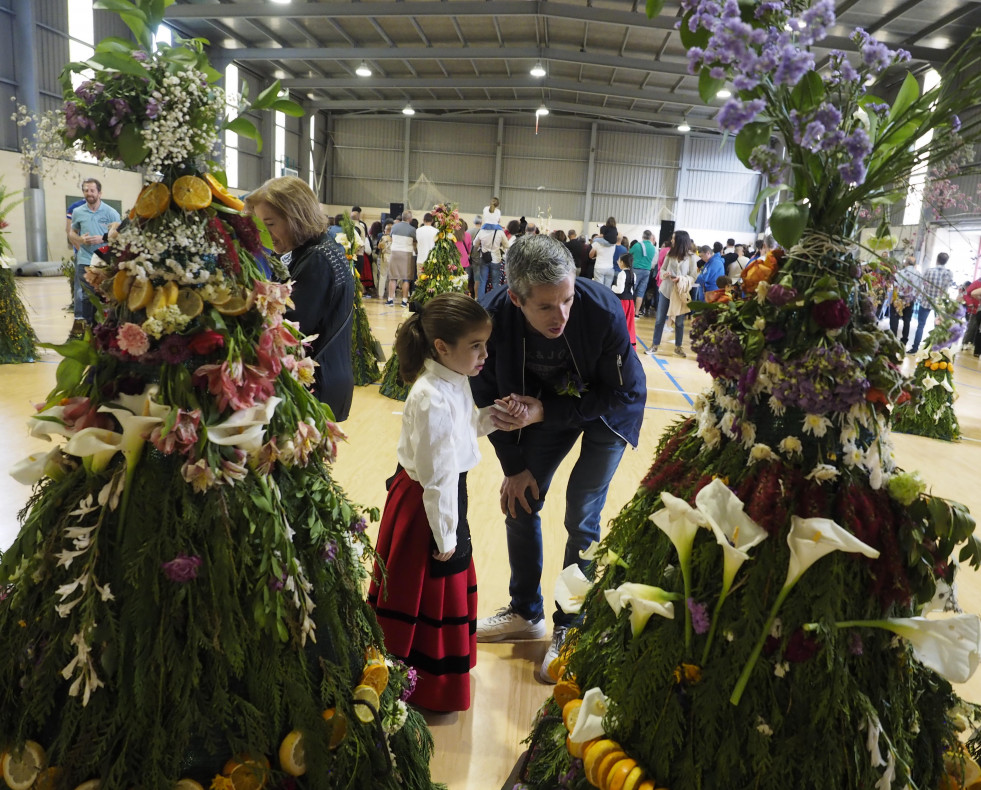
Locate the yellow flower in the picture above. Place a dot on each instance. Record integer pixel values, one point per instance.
(222, 783)
(688, 673)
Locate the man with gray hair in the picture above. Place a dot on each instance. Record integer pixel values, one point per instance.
(560, 346)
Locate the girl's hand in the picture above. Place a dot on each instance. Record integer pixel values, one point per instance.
(444, 556)
(512, 406)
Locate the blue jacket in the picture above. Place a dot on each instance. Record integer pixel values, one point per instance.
(616, 386)
(713, 269)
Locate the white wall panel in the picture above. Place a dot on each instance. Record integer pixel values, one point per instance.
(367, 162)
(718, 191)
(8, 78)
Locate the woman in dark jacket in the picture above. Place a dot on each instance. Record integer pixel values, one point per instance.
(323, 286)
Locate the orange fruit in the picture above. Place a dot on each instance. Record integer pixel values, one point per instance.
(292, 758)
(577, 749)
(21, 768)
(565, 690)
(619, 773)
(595, 752)
(237, 304)
(570, 713)
(223, 195)
(121, 284)
(140, 295)
(337, 722)
(153, 201)
(376, 676)
(189, 302)
(243, 759)
(604, 766)
(633, 779)
(191, 193)
(647, 784)
(47, 779)
(556, 668)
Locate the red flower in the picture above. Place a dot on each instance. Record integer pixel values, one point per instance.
(801, 647)
(205, 342)
(833, 314)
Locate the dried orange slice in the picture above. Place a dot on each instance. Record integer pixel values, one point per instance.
(191, 193)
(223, 195)
(604, 766)
(189, 302)
(565, 690)
(369, 696)
(140, 295)
(337, 722)
(617, 776)
(647, 784)
(292, 758)
(121, 284)
(633, 779)
(556, 667)
(376, 676)
(237, 304)
(595, 753)
(372, 655)
(153, 201)
(247, 772)
(21, 768)
(570, 713)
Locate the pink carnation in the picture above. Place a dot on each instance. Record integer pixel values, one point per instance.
(133, 340)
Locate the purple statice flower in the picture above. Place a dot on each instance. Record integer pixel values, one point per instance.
(411, 678)
(329, 552)
(820, 381)
(182, 568)
(575, 768)
(770, 7)
(855, 646)
(780, 295)
(857, 146)
(879, 108)
(828, 115)
(699, 616)
(736, 113)
(141, 56)
(717, 349)
(853, 173)
(876, 55)
(813, 136)
(842, 70)
(794, 63)
(763, 159)
(955, 123)
(359, 526)
(152, 109)
(277, 583)
(956, 330)
(816, 21)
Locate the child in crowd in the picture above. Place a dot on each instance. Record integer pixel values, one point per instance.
(623, 286)
(427, 604)
(492, 215)
(721, 294)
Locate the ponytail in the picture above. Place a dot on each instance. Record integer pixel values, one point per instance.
(495, 203)
(448, 317)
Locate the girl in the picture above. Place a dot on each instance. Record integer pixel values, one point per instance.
(427, 604)
(492, 215)
(677, 275)
(623, 286)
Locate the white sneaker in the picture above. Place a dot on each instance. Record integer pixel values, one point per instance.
(506, 624)
(558, 637)
(652, 351)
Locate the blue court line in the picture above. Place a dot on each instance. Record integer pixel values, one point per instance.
(663, 365)
(673, 411)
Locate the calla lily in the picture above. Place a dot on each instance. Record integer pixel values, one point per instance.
(810, 539)
(950, 646)
(735, 532)
(679, 521)
(34, 467)
(929, 382)
(48, 423)
(589, 724)
(608, 557)
(245, 428)
(643, 600)
(571, 588)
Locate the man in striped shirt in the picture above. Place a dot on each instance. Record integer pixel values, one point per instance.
(935, 283)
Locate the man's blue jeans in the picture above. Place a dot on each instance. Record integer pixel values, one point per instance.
(84, 309)
(663, 303)
(544, 449)
(922, 314)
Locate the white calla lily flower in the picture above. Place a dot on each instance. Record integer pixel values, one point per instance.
(589, 724)
(679, 521)
(48, 423)
(244, 429)
(609, 557)
(644, 601)
(810, 539)
(571, 588)
(33, 468)
(929, 382)
(735, 532)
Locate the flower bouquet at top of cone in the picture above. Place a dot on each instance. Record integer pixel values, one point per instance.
(18, 343)
(441, 273)
(762, 614)
(931, 412)
(184, 600)
(364, 358)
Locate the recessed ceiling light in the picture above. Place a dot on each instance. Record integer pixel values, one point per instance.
(538, 70)
(407, 110)
(725, 93)
(684, 127)
(543, 110)
(363, 70)
(282, 2)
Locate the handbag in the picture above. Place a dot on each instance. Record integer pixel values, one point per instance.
(488, 257)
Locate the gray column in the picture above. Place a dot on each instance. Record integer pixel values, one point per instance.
(268, 156)
(590, 178)
(303, 154)
(406, 147)
(499, 156)
(327, 171)
(682, 180)
(25, 61)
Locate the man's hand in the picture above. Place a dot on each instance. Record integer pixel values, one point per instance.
(514, 489)
(512, 418)
(444, 556)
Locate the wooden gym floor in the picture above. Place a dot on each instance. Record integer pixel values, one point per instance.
(476, 750)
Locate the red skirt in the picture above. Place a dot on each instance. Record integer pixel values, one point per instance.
(628, 311)
(429, 621)
(367, 278)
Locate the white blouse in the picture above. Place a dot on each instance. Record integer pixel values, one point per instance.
(440, 426)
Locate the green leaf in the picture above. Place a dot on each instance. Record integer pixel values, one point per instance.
(764, 194)
(750, 136)
(114, 44)
(69, 375)
(689, 39)
(134, 18)
(120, 7)
(654, 8)
(787, 222)
(132, 148)
(754, 344)
(265, 99)
(908, 93)
(808, 93)
(213, 75)
(242, 126)
(971, 552)
(288, 107)
(125, 64)
(708, 85)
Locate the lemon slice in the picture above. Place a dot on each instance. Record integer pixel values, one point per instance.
(158, 301)
(368, 695)
(594, 753)
(556, 668)
(618, 774)
(565, 691)
(237, 304)
(633, 778)
(189, 302)
(223, 195)
(21, 768)
(170, 290)
(292, 758)
(604, 766)
(337, 722)
(153, 201)
(140, 295)
(570, 713)
(95, 784)
(191, 193)
(376, 676)
(121, 284)
(184, 784)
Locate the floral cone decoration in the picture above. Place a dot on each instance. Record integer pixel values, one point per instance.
(363, 359)
(184, 597)
(18, 342)
(802, 559)
(441, 273)
(931, 413)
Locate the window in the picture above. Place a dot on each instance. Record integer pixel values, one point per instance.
(164, 35)
(917, 179)
(313, 136)
(81, 35)
(232, 92)
(279, 145)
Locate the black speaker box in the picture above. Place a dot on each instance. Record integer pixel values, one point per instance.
(667, 229)
(396, 209)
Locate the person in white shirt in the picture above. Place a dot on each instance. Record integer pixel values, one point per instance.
(602, 251)
(425, 241)
(492, 215)
(401, 268)
(427, 603)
